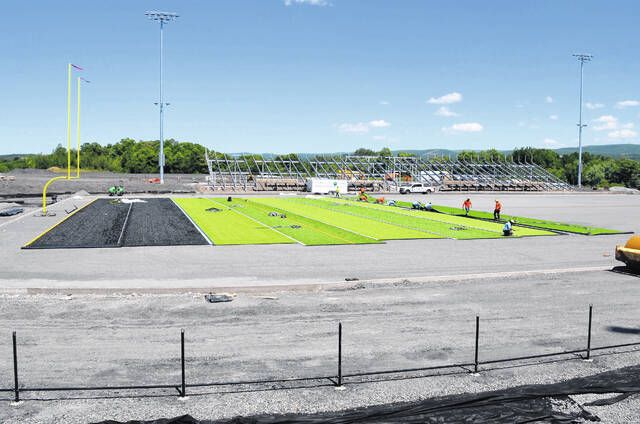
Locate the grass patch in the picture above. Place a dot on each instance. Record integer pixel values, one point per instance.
(455, 220)
(302, 228)
(430, 228)
(426, 221)
(227, 227)
(532, 222)
(351, 222)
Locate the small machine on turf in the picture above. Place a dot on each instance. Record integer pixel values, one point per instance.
(116, 190)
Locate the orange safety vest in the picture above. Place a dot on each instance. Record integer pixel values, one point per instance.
(498, 206)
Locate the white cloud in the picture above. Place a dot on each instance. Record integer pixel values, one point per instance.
(379, 137)
(627, 103)
(550, 142)
(357, 128)
(548, 99)
(553, 117)
(379, 123)
(623, 133)
(446, 112)
(447, 99)
(384, 102)
(362, 127)
(308, 2)
(605, 122)
(466, 127)
(593, 106)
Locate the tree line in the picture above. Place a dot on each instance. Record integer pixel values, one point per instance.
(133, 156)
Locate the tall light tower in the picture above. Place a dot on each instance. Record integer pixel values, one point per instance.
(163, 18)
(582, 58)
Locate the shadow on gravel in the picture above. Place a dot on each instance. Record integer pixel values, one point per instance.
(539, 403)
(625, 271)
(623, 330)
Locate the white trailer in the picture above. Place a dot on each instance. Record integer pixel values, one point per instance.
(326, 186)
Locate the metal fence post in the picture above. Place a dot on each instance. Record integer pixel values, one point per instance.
(475, 368)
(589, 332)
(339, 354)
(183, 392)
(16, 390)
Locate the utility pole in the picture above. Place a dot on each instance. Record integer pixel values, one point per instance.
(163, 18)
(582, 58)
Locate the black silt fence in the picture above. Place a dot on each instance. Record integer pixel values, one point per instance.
(335, 380)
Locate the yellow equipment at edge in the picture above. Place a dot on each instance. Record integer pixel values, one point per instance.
(630, 253)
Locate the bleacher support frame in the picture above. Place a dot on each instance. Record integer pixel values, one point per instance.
(258, 173)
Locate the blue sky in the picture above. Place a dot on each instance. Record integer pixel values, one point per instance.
(315, 75)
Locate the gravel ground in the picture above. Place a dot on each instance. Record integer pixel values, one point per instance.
(29, 182)
(91, 339)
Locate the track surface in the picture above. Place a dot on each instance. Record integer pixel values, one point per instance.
(110, 223)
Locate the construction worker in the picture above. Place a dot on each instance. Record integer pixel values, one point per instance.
(428, 207)
(337, 191)
(466, 205)
(496, 210)
(507, 230)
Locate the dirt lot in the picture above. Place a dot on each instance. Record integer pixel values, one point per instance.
(134, 339)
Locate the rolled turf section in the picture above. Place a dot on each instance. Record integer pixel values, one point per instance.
(436, 228)
(304, 229)
(225, 226)
(111, 223)
(363, 225)
(455, 221)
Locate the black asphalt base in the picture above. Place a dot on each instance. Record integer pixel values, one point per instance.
(111, 223)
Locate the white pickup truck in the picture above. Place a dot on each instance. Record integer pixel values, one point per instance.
(417, 188)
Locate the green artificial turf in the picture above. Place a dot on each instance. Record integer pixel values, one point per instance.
(227, 226)
(304, 229)
(533, 222)
(459, 220)
(436, 228)
(357, 223)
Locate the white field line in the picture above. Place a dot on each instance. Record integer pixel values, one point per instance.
(192, 223)
(326, 223)
(255, 220)
(124, 225)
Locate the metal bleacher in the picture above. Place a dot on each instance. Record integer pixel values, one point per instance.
(258, 173)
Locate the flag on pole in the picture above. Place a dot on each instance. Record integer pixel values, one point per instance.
(77, 67)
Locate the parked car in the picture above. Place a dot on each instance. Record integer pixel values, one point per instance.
(417, 188)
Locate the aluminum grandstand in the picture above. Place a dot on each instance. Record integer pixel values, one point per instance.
(258, 173)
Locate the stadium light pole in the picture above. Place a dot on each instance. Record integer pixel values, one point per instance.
(581, 58)
(163, 18)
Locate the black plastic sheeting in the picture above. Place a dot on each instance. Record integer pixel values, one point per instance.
(532, 403)
(111, 223)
